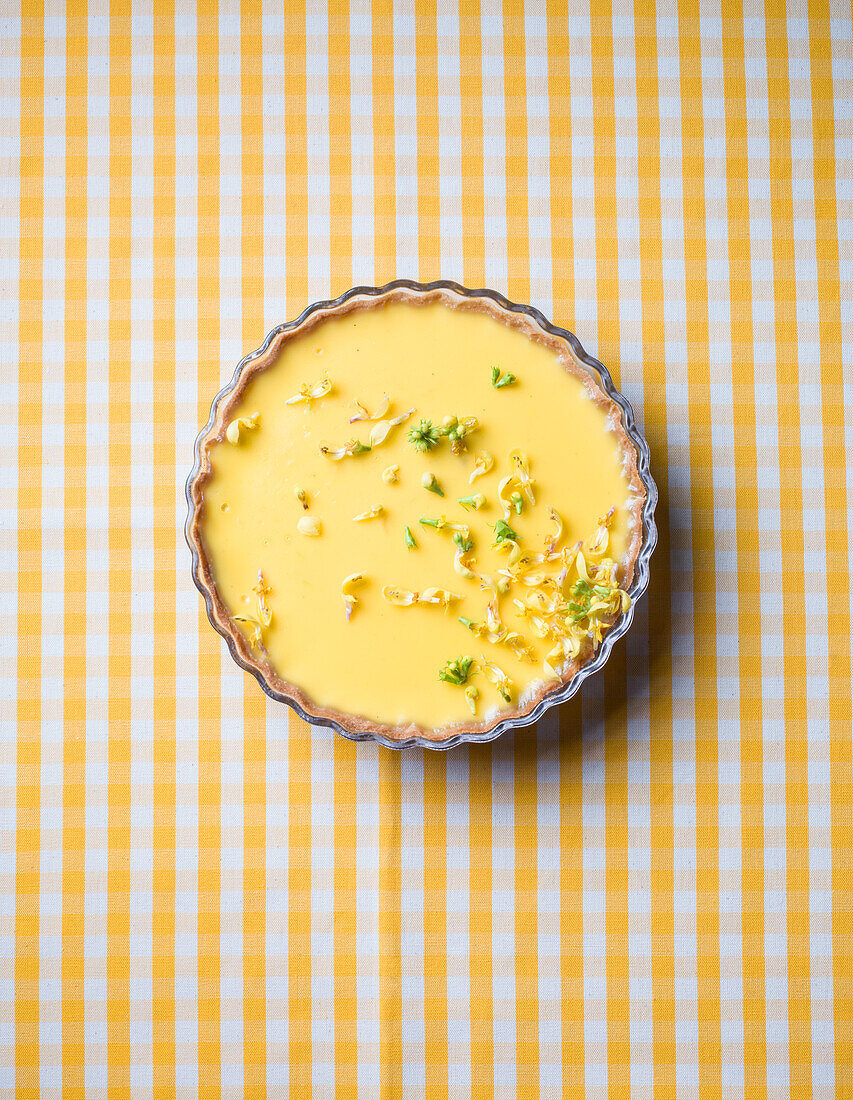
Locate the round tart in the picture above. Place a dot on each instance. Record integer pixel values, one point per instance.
(416, 515)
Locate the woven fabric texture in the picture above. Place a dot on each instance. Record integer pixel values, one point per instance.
(650, 894)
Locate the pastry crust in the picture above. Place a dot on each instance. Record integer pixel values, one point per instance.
(257, 662)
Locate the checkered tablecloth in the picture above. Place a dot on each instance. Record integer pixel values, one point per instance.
(650, 894)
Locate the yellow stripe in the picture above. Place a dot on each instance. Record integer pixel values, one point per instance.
(299, 907)
(572, 1001)
(704, 578)
(615, 686)
(389, 786)
(29, 713)
(384, 182)
(74, 625)
(526, 791)
(572, 1004)
(254, 706)
(748, 565)
(428, 174)
(299, 751)
(345, 753)
(471, 125)
(121, 577)
(209, 924)
(479, 758)
(165, 581)
(560, 119)
(435, 924)
(836, 526)
(435, 764)
(481, 922)
(389, 799)
(793, 596)
(659, 608)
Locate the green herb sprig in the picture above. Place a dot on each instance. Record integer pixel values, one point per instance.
(499, 381)
(504, 532)
(425, 436)
(456, 671)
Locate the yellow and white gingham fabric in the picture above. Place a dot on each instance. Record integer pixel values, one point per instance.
(651, 893)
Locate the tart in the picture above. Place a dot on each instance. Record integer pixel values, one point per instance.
(415, 514)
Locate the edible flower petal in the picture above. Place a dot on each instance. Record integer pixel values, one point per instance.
(263, 590)
(354, 580)
(462, 562)
(438, 596)
(350, 448)
(370, 513)
(379, 431)
(400, 597)
(391, 474)
(311, 392)
(555, 540)
(363, 414)
(522, 475)
(597, 545)
(499, 678)
(242, 423)
(309, 525)
(255, 635)
(483, 462)
(505, 494)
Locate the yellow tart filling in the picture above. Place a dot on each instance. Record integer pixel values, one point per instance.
(417, 515)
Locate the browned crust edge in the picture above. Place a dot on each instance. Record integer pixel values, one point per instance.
(291, 693)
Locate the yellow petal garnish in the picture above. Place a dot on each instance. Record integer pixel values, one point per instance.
(471, 697)
(350, 448)
(242, 423)
(498, 677)
(379, 431)
(312, 392)
(255, 635)
(599, 542)
(263, 590)
(522, 475)
(554, 661)
(303, 498)
(555, 540)
(371, 513)
(462, 562)
(401, 597)
(363, 414)
(354, 580)
(505, 489)
(483, 462)
(520, 646)
(493, 620)
(391, 474)
(309, 525)
(439, 596)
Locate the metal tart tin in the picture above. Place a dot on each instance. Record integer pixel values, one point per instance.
(561, 691)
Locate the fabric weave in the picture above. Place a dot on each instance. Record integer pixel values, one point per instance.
(648, 894)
